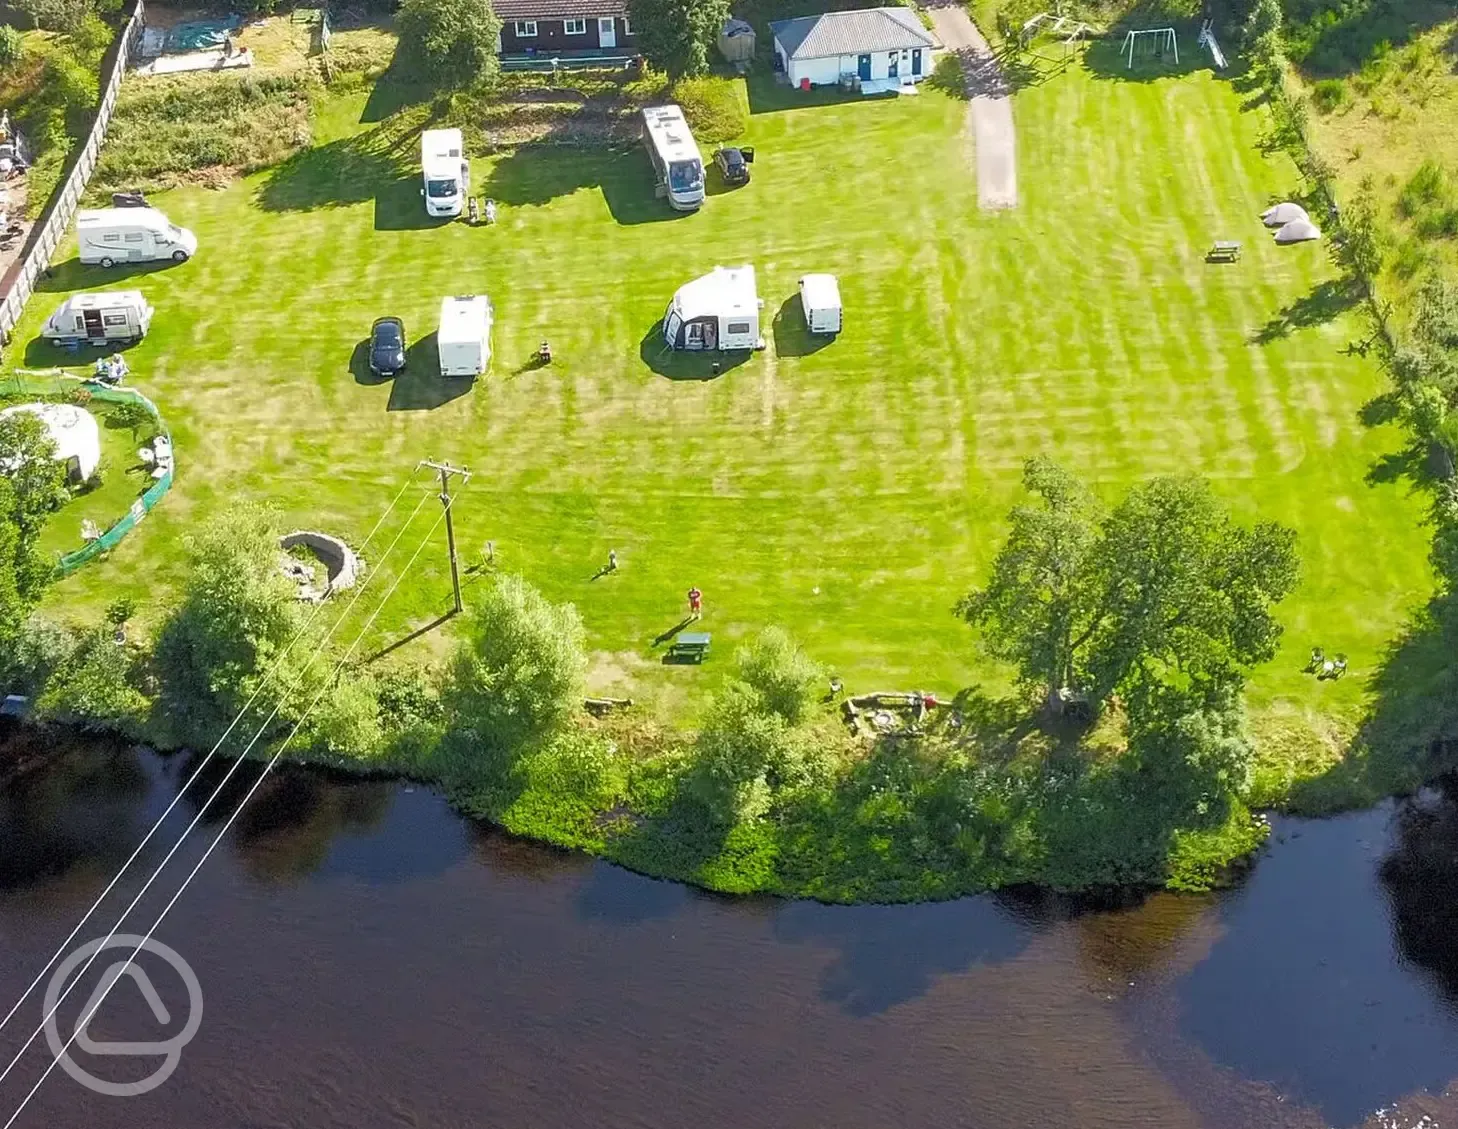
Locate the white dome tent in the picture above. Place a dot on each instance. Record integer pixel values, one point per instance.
(74, 431)
(1298, 231)
(1280, 215)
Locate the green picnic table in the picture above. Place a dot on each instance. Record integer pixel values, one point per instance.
(691, 646)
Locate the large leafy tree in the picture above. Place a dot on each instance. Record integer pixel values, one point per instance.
(1165, 589)
(677, 36)
(449, 42)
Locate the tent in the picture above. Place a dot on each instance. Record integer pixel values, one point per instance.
(720, 310)
(736, 41)
(73, 430)
(1298, 231)
(1282, 214)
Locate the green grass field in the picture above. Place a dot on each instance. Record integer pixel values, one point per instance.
(876, 469)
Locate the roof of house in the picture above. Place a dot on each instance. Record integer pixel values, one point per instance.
(852, 33)
(559, 9)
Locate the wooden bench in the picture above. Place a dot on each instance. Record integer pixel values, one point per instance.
(691, 646)
(1224, 251)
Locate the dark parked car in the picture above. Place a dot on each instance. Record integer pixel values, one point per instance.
(733, 166)
(387, 346)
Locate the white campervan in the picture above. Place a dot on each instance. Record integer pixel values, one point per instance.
(99, 319)
(464, 338)
(820, 299)
(446, 172)
(108, 236)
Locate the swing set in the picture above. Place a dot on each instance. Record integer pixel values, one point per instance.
(1150, 42)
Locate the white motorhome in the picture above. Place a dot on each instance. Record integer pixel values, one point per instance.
(99, 319)
(464, 338)
(446, 172)
(718, 311)
(676, 159)
(820, 299)
(108, 236)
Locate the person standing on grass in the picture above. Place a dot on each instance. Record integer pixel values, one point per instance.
(612, 560)
(696, 602)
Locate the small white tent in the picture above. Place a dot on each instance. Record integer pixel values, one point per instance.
(1298, 231)
(1280, 215)
(717, 311)
(73, 430)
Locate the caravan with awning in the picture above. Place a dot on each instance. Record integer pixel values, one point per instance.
(718, 311)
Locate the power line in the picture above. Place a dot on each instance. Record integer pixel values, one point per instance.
(117, 973)
(202, 809)
(263, 683)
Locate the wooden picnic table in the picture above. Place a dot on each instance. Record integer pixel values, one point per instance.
(691, 645)
(1224, 251)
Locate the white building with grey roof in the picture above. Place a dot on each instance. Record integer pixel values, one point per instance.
(882, 47)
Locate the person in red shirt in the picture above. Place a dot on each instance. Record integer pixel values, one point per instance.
(696, 602)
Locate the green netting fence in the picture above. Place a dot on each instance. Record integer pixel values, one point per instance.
(57, 384)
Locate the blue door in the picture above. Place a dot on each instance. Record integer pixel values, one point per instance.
(916, 60)
(863, 65)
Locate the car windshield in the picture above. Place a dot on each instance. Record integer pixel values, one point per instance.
(174, 231)
(387, 333)
(440, 188)
(733, 158)
(685, 175)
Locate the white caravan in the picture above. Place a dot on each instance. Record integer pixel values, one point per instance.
(464, 338)
(108, 236)
(676, 159)
(820, 299)
(718, 311)
(99, 319)
(446, 171)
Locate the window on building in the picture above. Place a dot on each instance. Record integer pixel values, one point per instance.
(627, 26)
(526, 29)
(574, 27)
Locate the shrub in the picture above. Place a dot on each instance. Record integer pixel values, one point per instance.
(92, 687)
(712, 106)
(783, 675)
(11, 47)
(1330, 94)
(1426, 187)
(39, 648)
(237, 615)
(1441, 223)
(518, 675)
(346, 720)
(748, 757)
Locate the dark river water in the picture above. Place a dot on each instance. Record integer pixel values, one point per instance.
(367, 958)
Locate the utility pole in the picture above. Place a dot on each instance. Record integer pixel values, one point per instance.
(446, 472)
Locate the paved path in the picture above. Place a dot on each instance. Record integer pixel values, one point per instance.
(989, 116)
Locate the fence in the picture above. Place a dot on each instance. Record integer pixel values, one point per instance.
(59, 384)
(20, 279)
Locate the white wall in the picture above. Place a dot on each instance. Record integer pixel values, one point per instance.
(826, 72)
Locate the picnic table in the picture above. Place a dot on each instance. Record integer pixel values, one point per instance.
(1224, 251)
(691, 646)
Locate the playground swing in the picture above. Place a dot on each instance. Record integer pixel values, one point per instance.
(1150, 41)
